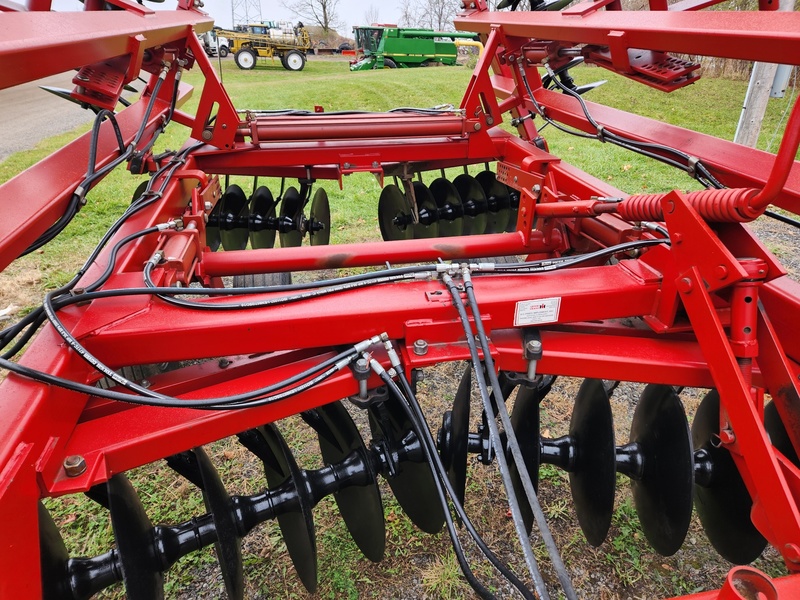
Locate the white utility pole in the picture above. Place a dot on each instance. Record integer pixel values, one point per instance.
(755, 101)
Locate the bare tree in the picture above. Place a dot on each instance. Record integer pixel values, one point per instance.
(371, 15)
(320, 13)
(438, 14)
(410, 14)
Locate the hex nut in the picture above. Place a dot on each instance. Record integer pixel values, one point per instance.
(74, 465)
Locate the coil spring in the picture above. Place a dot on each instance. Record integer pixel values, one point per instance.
(718, 206)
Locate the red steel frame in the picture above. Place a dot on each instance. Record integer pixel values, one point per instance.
(686, 295)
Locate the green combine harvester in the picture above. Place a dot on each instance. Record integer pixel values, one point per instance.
(390, 47)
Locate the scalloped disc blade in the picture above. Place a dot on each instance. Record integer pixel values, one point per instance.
(53, 556)
(292, 208)
(498, 202)
(360, 506)
(724, 505)
(262, 211)
(133, 535)
(228, 545)
(296, 526)
(593, 477)
(393, 214)
(445, 194)
(428, 225)
(473, 203)
(663, 496)
(413, 485)
(455, 440)
(525, 423)
(320, 215)
(233, 217)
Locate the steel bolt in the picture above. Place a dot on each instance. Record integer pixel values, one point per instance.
(533, 346)
(721, 271)
(420, 347)
(685, 285)
(74, 465)
(792, 553)
(223, 363)
(206, 135)
(477, 127)
(208, 206)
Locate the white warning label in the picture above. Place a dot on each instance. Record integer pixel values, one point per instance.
(536, 312)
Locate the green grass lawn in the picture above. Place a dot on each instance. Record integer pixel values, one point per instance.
(711, 106)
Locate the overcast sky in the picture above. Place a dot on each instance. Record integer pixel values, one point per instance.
(352, 12)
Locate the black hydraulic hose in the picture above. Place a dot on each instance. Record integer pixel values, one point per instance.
(782, 218)
(93, 175)
(451, 530)
(513, 502)
(636, 146)
(527, 484)
(8, 334)
(32, 327)
(319, 290)
(247, 400)
(441, 472)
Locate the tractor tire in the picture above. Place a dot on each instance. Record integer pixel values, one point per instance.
(245, 59)
(388, 63)
(223, 51)
(282, 58)
(294, 60)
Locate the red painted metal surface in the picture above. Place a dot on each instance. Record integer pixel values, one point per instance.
(693, 313)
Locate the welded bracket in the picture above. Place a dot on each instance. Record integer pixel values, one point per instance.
(695, 245)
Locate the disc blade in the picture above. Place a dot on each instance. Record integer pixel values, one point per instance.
(360, 506)
(413, 485)
(53, 556)
(133, 535)
(593, 477)
(498, 202)
(525, 423)
(233, 218)
(454, 454)
(394, 215)
(320, 216)
(445, 194)
(296, 526)
(228, 544)
(262, 211)
(513, 209)
(473, 203)
(291, 208)
(140, 189)
(777, 433)
(724, 505)
(663, 496)
(213, 239)
(428, 224)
